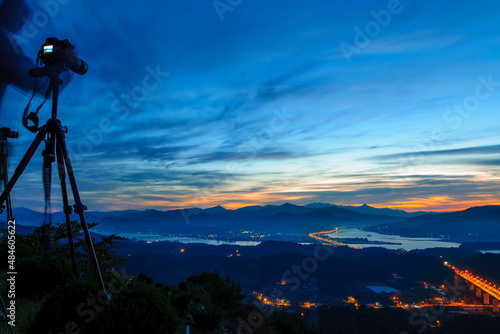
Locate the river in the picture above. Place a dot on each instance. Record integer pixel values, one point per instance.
(186, 240)
(405, 243)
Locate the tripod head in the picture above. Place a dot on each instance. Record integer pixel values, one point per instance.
(51, 71)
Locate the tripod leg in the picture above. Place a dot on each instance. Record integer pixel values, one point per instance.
(67, 207)
(79, 208)
(4, 156)
(24, 163)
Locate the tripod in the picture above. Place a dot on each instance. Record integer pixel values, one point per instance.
(54, 134)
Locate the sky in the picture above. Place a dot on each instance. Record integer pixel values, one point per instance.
(237, 102)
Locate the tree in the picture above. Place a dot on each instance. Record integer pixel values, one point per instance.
(282, 322)
(52, 239)
(225, 293)
(105, 251)
(214, 299)
(136, 307)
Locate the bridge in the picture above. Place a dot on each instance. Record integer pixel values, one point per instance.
(324, 237)
(489, 291)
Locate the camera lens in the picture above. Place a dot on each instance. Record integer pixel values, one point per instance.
(79, 66)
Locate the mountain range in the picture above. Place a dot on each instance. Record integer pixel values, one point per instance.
(269, 219)
(473, 224)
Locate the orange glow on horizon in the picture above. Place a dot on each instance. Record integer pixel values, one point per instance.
(227, 200)
(233, 201)
(438, 204)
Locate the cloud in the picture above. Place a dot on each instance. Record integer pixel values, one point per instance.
(230, 81)
(475, 150)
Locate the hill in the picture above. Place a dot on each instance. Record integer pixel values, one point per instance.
(473, 224)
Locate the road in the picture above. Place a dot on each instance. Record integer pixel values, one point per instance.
(478, 281)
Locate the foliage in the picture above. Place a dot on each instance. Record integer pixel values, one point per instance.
(105, 250)
(52, 239)
(68, 306)
(26, 308)
(144, 308)
(283, 323)
(213, 299)
(206, 318)
(181, 301)
(142, 277)
(136, 307)
(40, 274)
(224, 293)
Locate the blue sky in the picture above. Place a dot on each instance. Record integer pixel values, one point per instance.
(389, 103)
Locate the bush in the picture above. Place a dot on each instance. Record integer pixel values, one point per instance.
(135, 308)
(181, 301)
(143, 308)
(41, 274)
(67, 307)
(225, 293)
(207, 319)
(283, 323)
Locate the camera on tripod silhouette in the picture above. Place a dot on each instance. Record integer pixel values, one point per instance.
(59, 53)
(8, 133)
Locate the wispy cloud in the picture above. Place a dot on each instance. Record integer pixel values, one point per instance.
(215, 131)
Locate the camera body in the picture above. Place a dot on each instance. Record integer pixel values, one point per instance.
(60, 52)
(8, 133)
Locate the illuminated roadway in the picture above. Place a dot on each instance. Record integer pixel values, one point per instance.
(319, 236)
(481, 283)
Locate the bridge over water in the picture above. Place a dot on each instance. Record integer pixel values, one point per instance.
(489, 291)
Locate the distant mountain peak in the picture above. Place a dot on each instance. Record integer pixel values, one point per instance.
(319, 205)
(215, 209)
(152, 210)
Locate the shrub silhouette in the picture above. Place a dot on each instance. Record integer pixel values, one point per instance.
(144, 308)
(206, 319)
(40, 274)
(136, 308)
(60, 310)
(225, 293)
(283, 323)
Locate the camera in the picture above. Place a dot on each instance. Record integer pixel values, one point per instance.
(8, 133)
(60, 52)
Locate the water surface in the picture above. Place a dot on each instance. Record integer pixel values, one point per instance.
(405, 243)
